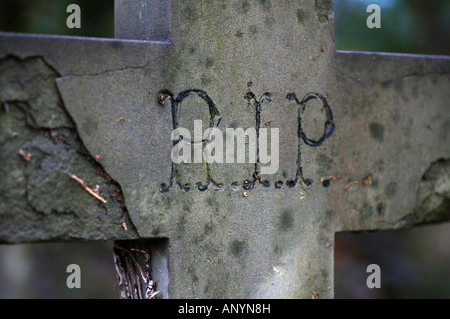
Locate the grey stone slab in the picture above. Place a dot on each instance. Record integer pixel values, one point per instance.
(390, 112)
(147, 20)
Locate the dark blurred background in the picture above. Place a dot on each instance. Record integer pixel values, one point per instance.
(38, 271)
(414, 263)
(49, 17)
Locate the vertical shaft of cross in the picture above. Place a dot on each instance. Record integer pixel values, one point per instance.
(147, 20)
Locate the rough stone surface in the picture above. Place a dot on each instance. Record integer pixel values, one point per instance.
(390, 111)
(38, 200)
(433, 195)
(142, 20)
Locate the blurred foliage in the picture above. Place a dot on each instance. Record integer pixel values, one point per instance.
(407, 26)
(49, 17)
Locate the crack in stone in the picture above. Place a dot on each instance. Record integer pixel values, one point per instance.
(55, 148)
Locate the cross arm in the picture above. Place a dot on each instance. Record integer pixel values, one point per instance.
(397, 129)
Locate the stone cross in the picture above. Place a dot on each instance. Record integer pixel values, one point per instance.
(364, 142)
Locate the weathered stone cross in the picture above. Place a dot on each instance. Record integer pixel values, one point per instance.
(384, 165)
